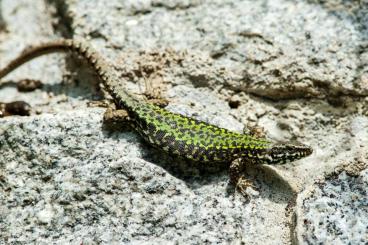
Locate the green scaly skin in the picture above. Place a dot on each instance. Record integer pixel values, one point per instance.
(173, 133)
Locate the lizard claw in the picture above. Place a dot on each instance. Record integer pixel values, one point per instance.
(246, 187)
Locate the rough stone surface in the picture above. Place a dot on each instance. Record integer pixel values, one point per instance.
(297, 68)
(2, 22)
(334, 211)
(72, 181)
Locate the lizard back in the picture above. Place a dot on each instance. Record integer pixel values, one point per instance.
(193, 139)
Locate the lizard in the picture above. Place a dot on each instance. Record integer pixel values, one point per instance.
(174, 133)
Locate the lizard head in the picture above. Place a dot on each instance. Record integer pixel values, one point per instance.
(281, 153)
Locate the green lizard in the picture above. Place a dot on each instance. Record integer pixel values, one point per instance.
(174, 133)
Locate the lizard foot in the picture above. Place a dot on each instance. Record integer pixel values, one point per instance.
(255, 131)
(246, 187)
(116, 119)
(237, 177)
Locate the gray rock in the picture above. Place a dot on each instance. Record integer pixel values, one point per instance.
(66, 178)
(2, 22)
(334, 210)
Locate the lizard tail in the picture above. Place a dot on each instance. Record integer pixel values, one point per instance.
(31, 53)
(106, 73)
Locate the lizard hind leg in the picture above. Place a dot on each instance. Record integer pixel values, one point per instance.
(115, 119)
(160, 102)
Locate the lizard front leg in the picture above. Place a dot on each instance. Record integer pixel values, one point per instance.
(237, 172)
(237, 169)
